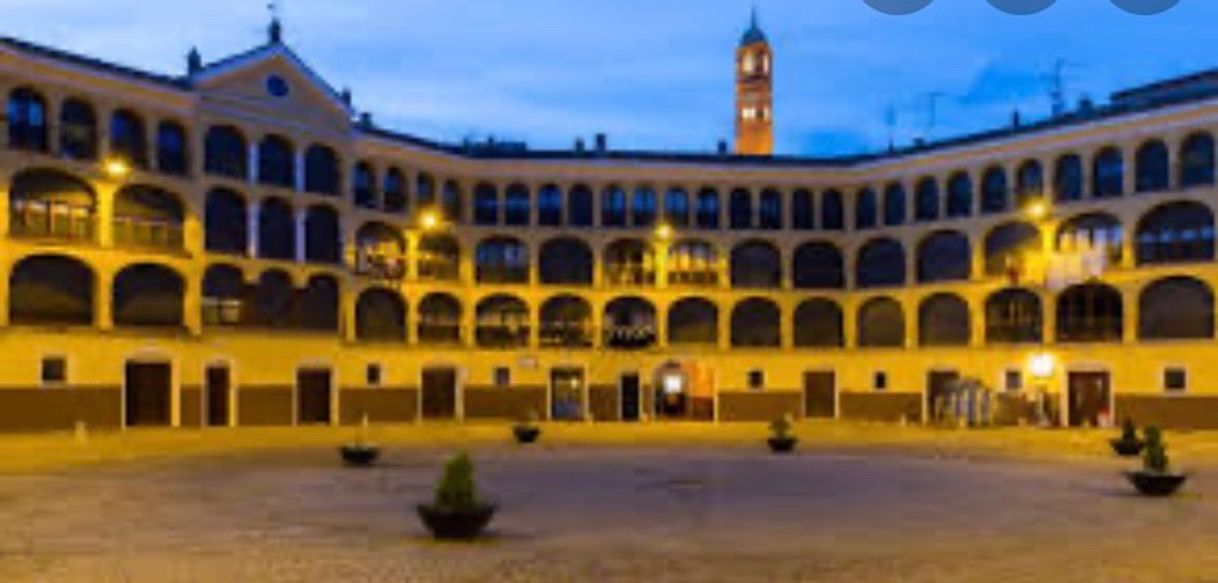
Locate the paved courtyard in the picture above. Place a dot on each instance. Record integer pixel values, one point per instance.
(572, 513)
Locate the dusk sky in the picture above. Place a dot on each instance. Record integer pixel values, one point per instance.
(657, 74)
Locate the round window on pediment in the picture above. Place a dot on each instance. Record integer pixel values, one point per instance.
(277, 86)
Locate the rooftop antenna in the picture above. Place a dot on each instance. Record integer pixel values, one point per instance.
(932, 111)
(890, 118)
(1057, 87)
(275, 32)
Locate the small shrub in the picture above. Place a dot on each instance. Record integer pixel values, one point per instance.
(1129, 431)
(1154, 458)
(456, 491)
(781, 428)
(529, 420)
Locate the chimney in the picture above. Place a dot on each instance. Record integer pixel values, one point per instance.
(602, 143)
(580, 147)
(194, 61)
(721, 148)
(1086, 106)
(365, 119)
(346, 96)
(1015, 119)
(919, 142)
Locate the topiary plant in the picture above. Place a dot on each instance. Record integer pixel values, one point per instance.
(456, 490)
(1154, 458)
(1129, 431)
(781, 428)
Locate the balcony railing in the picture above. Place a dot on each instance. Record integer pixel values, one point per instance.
(1103, 329)
(566, 334)
(439, 333)
(695, 278)
(1013, 332)
(630, 337)
(148, 233)
(616, 275)
(384, 266)
(41, 220)
(502, 335)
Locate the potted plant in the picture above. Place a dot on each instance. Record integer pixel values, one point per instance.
(526, 430)
(1128, 444)
(456, 513)
(1156, 478)
(360, 453)
(781, 440)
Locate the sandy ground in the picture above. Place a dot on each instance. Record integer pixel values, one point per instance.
(617, 513)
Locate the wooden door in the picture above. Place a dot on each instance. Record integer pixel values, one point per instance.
(148, 394)
(1090, 398)
(313, 392)
(218, 395)
(820, 395)
(439, 393)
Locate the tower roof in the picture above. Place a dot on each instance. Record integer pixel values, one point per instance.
(754, 34)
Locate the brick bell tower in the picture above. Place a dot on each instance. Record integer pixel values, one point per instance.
(754, 93)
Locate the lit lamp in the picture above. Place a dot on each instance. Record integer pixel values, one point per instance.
(1038, 210)
(116, 168)
(664, 232)
(1041, 366)
(429, 220)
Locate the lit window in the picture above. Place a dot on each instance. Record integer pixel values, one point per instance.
(756, 380)
(749, 113)
(1014, 380)
(503, 377)
(373, 375)
(880, 381)
(1175, 380)
(54, 371)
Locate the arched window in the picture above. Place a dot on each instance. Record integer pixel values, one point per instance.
(51, 289)
(1108, 175)
(516, 206)
(226, 297)
(502, 322)
(486, 205)
(1092, 231)
(148, 295)
(1177, 232)
(803, 210)
(943, 320)
(566, 321)
(27, 120)
(439, 258)
(1013, 316)
(819, 265)
(894, 204)
(944, 256)
(881, 324)
(549, 206)
(276, 162)
(756, 323)
(395, 192)
(1176, 308)
(756, 264)
(994, 190)
(580, 206)
(676, 207)
(364, 186)
(128, 141)
(865, 207)
(629, 262)
(317, 305)
(708, 209)
(502, 260)
(225, 153)
(565, 261)
(274, 300)
(380, 316)
(881, 263)
(1010, 246)
(643, 207)
(740, 209)
(424, 190)
(322, 235)
(1068, 178)
(172, 152)
(1197, 160)
(693, 321)
(148, 217)
(630, 323)
(51, 204)
(276, 230)
(451, 202)
(439, 319)
(832, 211)
(959, 195)
(322, 175)
(1153, 168)
(769, 210)
(77, 130)
(613, 206)
(693, 263)
(1090, 312)
(1029, 183)
(818, 324)
(225, 222)
(926, 208)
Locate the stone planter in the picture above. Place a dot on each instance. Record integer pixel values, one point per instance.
(1156, 484)
(526, 433)
(448, 524)
(782, 444)
(359, 456)
(1127, 447)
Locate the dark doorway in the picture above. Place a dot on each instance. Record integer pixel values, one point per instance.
(820, 395)
(218, 386)
(1090, 399)
(566, 394)
(440, 393)
(148, 394)
(938, 387)
(313, 397)
(629, 387)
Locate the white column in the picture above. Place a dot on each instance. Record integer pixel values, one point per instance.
(301, 216)
(300, 172)
(251, 230)
(253, 163)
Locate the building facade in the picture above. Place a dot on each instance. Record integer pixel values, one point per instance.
(235, 247)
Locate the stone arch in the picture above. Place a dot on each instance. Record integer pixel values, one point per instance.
(945, 256)
(756, 323)
(51, 289)
(148, 294)
(818, 265)
(1013, 316)
(1176, 308)
(1176, 232)
(380, 316)
(881, 263)
(693, 320)
(881, 324)
(819, 323)
(944, 320)
(502, 260)
(51, 204)
(1090, 312)
(566, 321)
(439, 319)
(756, 264)
(630, 322)
(502, 321)
(565, 261)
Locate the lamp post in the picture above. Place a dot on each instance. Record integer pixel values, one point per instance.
(1042, 366)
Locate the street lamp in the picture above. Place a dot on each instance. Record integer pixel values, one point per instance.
(116, 168)
(1042, 365)
(664, 232)
(429, 220)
